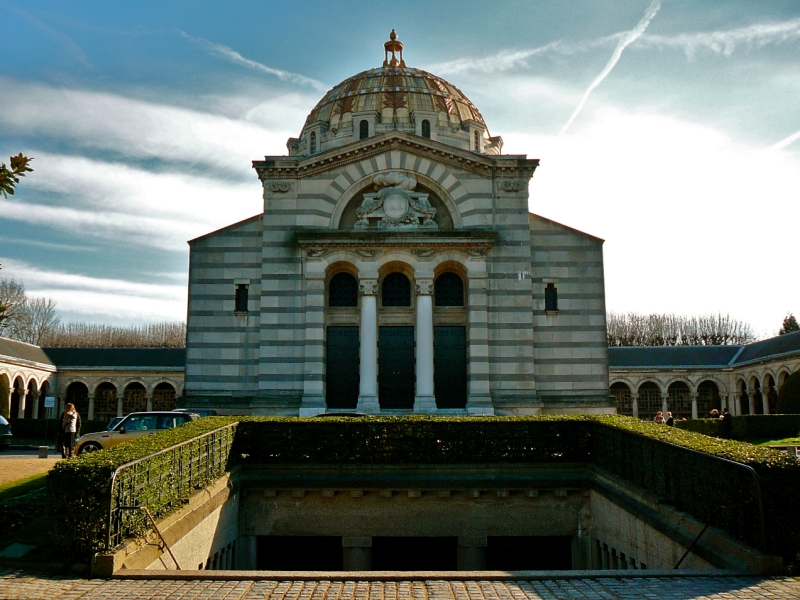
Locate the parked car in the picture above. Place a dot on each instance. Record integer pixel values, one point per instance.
(203, 412)
(131, 427)
(5, 433)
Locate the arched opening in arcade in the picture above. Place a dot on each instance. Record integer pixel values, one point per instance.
(679, 400)
(707, 399)
(624, 398)
(134, 398)
(44, 412)
(105, 401)
(17, 392)
(164, 396)
(5, 395)
(32, 399)
(758, 397)
(649, 400)
(744, 399)
(78, 394)
(771, 394)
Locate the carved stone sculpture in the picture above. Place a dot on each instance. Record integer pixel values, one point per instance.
(395, 205)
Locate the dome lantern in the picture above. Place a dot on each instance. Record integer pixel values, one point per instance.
(394, 46)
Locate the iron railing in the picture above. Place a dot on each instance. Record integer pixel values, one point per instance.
(163, 480)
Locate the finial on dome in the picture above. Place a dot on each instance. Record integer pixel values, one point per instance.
(394, 46)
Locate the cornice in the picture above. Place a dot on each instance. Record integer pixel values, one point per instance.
(472, 240)
(490, 166)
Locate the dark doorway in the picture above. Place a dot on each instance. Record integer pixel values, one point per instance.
(396, 367)
(299, 553)
(414, 553)
(529, 553)
(450, 366)
(342, 367)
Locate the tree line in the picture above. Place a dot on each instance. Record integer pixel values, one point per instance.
(35, 321)
(636, 329)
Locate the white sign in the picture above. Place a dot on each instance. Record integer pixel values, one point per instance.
(49, 401)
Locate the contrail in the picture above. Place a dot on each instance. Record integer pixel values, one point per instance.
(231, 55)
(785, 142)
(628, 39)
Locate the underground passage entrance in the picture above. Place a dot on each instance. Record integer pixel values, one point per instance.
(500, 553)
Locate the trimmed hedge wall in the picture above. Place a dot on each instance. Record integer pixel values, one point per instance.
(747, 427)
(34, 429)
(78, 489)
(694, 483)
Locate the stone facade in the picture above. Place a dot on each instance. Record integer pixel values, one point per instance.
(414, 185)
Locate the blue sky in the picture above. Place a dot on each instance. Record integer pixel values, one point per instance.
(669, 128)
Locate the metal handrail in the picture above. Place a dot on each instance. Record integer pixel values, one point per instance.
(128, 465)
(751, 471)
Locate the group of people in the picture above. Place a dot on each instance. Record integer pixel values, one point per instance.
(727, 419)
(659, 418)
(69, 428)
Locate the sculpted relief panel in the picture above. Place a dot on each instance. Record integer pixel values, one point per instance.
(395, 205)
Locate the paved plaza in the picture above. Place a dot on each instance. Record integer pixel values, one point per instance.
(17, 585)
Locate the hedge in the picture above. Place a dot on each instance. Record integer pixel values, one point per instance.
(78, 489)
(34, 429)
(747, 427)
(653, 456)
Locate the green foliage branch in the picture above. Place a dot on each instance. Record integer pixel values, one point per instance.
(11, 173)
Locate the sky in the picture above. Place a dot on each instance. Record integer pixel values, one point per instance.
(669, 128)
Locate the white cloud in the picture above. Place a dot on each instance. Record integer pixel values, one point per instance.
(695, 221)
(144, 130)
(785, 142)
(128, 204)
(80, 297)
(725, 41)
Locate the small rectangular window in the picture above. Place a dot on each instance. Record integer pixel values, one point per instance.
(241, 298)
(551, 298)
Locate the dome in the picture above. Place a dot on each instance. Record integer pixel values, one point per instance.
(400, 90)
(394, 97)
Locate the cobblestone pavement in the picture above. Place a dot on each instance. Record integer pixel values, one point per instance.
(17, 585)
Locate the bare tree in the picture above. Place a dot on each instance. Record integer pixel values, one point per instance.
(635, 329)
(94, 335)
(39, 318)
(12, 302)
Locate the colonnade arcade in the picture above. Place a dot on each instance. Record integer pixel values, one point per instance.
(107, 398)
(396, 325)
(25, 395)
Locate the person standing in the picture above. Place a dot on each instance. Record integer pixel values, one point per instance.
(70, 426)
(727, 423)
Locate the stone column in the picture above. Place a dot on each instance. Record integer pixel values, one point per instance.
(424, 400)
(22, 393)
(471, 553)
(751, 400)
(635, 405)
(693, 396)
(723, 402)
(91, 407)
(765, 401)
(8, 401)
(368, 386)
(149, 400)
(120, 398)
(357, 553)
(665, 403)
(479, 397)
(35, 399)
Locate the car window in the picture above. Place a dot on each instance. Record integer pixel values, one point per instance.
(140, 423)
(170, 421)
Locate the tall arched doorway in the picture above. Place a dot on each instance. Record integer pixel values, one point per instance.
(707, 399)
(649, 400)
(396, 368)
(342, 369)
(679, 402)
(164, 397)
(78, 394)
(744, 399)
(105, 401)
(18, 389)
(134, 398)
(449, 342)
(622, 393)
(43, 394)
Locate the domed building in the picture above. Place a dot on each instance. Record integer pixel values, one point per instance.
(396, 268)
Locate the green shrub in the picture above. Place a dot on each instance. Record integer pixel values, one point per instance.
(710, 427)
(747, 427)
(79, 493)
(789, 395)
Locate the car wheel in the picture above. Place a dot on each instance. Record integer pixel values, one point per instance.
(89, 447)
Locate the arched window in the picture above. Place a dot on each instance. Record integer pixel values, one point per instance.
(449, 290)
(164, 397)
(622, 393)
(343, 290)
(363, 130)
(396, 290)
(426, 128)
(134, 398)
(312, 144)
(477, 136)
